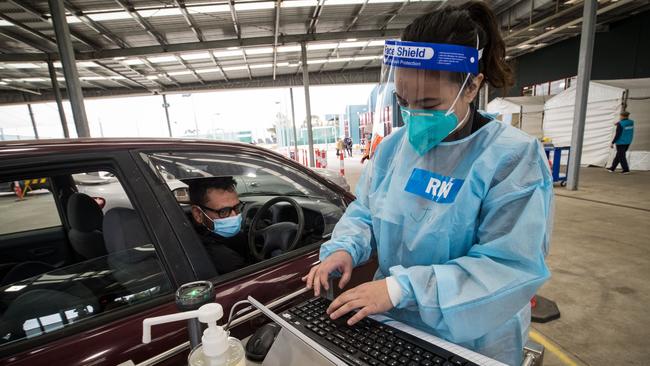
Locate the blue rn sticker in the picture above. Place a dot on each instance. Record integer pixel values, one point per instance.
(432, 186)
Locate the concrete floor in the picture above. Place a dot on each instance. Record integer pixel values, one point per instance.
(600, 265)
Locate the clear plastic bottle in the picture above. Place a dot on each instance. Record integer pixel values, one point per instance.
(216, 349)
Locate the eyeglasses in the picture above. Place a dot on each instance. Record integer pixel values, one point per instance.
(224, 212)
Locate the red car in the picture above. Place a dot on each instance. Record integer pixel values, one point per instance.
(80, 271)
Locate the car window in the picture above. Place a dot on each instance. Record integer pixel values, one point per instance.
(110, 262)
(258, 179)
(27, 204)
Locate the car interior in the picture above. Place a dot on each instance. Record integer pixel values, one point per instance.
(87, 263)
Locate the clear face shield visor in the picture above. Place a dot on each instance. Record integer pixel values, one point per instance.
(422, 83)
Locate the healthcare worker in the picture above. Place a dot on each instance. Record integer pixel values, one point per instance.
(456, 205)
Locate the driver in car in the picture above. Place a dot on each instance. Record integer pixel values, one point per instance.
(216, 212)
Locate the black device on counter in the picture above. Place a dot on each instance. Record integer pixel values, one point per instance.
(260, 342)
(368, 342)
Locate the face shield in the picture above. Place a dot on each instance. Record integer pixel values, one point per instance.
(425, 82)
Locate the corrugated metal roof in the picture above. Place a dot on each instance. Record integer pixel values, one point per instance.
(214, 21)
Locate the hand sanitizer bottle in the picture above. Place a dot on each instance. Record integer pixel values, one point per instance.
(216, 349)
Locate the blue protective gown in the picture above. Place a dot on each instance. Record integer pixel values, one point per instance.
(464, 229)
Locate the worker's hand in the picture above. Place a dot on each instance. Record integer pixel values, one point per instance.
(370, 298)
(318, 275)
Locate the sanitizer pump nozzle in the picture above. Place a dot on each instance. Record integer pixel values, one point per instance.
(217, 348)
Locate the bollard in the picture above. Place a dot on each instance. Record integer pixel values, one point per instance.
(323, 156)
(317, 153)
(341, 165)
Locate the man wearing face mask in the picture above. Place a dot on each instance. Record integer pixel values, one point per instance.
(457, 206)
(216, 212)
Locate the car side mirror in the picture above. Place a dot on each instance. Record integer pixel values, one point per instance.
(182, 195)
(101, 202)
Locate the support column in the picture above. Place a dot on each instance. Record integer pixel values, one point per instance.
(31, 116)
(293, 122)
(305, 81)
(166, 106)
(58, 98)
(68, 61)
(582, 91)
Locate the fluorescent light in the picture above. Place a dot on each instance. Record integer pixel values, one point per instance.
(4, 23)
(378, 43)
(86, 64)
(119, 58)
(25, 65)
(91, 78)
(351, 40)
(255, 6)
(133, 61)
(100, 17)
(116, 77)
(152, 77)
(3, 83)
(233, 48)
(259, 50)
(234, 68)
(300, 3)
(30, 80)
(354, 44)
(524, 46)
(549, 28)
(288, 48)
(161, 59)
(209, 9)
(234, 53)
(205, 71)
(260, 66)
(531, 29)
(195, 56)
(178, 73)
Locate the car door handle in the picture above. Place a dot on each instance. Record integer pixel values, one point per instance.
(42, 252)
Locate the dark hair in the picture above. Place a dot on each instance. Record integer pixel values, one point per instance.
(625, 114)
(199, 188)
(460, 25)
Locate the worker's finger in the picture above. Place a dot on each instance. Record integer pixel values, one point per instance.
(323, 277)
(309, 278)
(346, 308)
(362, 313)
(345, 277)
(343, 298)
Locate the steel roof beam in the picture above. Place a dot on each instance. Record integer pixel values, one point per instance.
(331, 54)
(248, 67)
(233, 15)
(31, 43)
(190, 21)
(315, 17)
(355, 19)
(129, 8)
(276, 33)
(158, 71)
(35, 92)
(218, 65)
(95, 26)
(29, 30)
(546, 34)
(207, 45)
(394, 14)
(189, 68)
(34, 12)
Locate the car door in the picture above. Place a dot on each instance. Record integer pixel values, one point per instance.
(260, 175)
(89, 310)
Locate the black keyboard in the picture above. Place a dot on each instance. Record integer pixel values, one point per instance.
(368, 342)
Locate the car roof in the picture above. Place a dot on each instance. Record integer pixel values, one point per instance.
(27, 148)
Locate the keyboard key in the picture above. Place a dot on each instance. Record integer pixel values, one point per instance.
(407, 353)
(416, 358)
(373, 362)
(458, 361)
(366, 349)
(403, 359)
(375, 353)
(392, 363)
(398, 349)
(427, 363)
(427, 355)
(438, 360)
(383, 358)
(418, 351)
(394, 355)
(447, 363)
(413, 363)
(384, 350)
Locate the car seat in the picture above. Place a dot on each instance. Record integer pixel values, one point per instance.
(85, 218)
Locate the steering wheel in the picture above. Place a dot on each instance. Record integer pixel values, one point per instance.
(278, 235)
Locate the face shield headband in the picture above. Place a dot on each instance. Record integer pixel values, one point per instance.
(415, 58)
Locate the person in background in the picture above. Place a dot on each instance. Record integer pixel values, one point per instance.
(339, 146)
(216, 212)
(348, 145)
(622, 140)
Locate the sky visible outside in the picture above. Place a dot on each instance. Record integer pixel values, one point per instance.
(229, 110)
